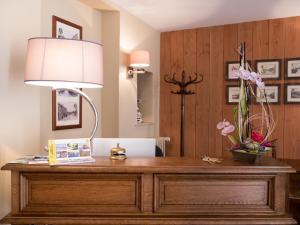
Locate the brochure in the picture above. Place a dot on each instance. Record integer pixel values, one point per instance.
(31, 159)
(69, 151)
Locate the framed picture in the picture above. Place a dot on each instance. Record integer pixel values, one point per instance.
(66, 110)
(232, 94)
(292, 68)
(64, 29)
(272, 92)
(269, 69)
(292, 93)
(66, 106)
(230, 66)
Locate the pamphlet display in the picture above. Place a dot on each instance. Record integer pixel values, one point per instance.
(67, 151)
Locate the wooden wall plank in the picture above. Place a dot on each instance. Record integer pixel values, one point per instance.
(292, 112)
(165, 68)
(260, 34)
(276, 51)
(202, 97)
(230, 54)
(216, 87)
(245, 35)
(176, 67)
(189, 64)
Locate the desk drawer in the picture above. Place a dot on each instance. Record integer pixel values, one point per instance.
(80, 193)
(229, 194)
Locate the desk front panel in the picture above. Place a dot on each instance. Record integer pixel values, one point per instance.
(80, 193)
(219, 194)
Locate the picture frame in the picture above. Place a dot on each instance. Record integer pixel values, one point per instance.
(232, 94)
(273, 93)
(232, 65)
(62, 28)
(292, 68)
(292, 93)
(270, 69)
(66, 108)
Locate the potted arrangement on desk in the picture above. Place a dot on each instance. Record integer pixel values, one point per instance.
(250, 136)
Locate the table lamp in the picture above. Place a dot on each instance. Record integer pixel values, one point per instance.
(65, 64)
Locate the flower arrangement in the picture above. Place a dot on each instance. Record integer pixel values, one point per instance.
(253, 131)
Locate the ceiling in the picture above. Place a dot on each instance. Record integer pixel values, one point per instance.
(167, 15)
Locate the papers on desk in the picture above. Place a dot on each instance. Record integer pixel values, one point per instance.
(31, 159)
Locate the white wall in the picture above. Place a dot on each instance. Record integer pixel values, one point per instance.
(19, 103)
(110, 99)
(90, 20)
(136, 35)
(25, 109)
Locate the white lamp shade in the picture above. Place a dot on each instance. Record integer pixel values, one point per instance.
(139, 59)
(64, 63)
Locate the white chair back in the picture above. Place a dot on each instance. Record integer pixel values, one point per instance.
(135, 147)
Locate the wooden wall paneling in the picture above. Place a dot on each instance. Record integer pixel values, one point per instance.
(202, 90)
(230, 54)
(292, 112)
(165, 96)
(276, 51)
(176, 67)
(189, 62)
(277, 38)
(216, 87)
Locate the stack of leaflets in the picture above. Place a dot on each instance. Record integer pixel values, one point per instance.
(31, 159)
(69, 151)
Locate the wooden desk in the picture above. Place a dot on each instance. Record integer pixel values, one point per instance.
(150, 191)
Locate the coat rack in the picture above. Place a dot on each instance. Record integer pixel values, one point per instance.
(183, 84)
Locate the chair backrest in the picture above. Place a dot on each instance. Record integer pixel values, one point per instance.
(135, 147)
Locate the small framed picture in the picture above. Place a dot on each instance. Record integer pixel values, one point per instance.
(232, 94)
(66, 105)
(292, 68)
(231, 66)
(272, 92)
(292, 93)
(269, 69)
(62, 28)
(66, 110)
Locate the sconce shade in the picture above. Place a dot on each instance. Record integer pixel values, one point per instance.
(139, 59)
(64, 63)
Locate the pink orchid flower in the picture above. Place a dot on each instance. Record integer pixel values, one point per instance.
(260, 84)
(226, 127)
(247, 75)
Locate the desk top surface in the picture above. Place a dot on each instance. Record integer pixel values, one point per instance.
(159, 165)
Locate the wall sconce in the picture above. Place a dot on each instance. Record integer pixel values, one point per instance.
(138, 61)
